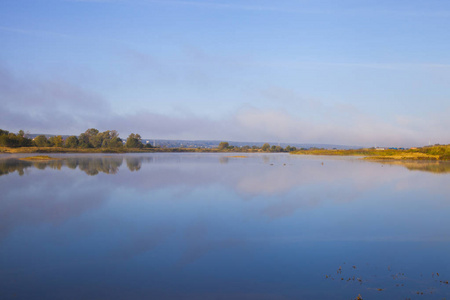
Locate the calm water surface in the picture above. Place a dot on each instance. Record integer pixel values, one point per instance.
(210, 226)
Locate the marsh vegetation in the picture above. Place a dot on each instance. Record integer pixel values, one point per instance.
(437, 152)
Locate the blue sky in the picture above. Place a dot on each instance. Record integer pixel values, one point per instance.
(343, 72)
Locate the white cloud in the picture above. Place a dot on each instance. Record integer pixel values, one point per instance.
(63, 108)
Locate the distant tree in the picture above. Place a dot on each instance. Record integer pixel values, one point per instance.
(23, 140)
(71, 142)
(8, 139)
(41, 141)
(289, 149)
(134, 141)
(91, 132)
(83, 141)
(95, 138)
(278, 149)
(265, 147)
(108, 139)
(56, 141)
(223, 145)
(89, 139)
(116, 142)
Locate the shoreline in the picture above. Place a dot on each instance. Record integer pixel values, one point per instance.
(31, 150)
(435, 153)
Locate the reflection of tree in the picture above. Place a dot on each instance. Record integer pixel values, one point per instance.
(134, 163)
(223, 160)
(90, 165)
(94, 165)
(426, 166)
(438, 167)
(11, 165)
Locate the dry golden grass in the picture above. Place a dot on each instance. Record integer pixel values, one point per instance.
(441, 152)
(405, 156)
(39, 157)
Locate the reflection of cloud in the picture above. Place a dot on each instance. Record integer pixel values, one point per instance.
(198, 244)
(288, 206)
(271, 181)
(142, 240)
(51, 199)
(291, 184)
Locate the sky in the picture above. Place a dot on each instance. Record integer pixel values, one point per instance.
(350, 72)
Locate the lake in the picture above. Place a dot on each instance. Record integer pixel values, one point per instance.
(220, 226)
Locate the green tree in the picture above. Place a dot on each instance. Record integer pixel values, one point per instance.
(265, 147)
(116, 142)
(88, 138)
(83, 141)
(108, 139)
(8, 139)
(56, 141)
(277, 149)
(134, 141)
(41, 141)
(223, 145)
(289, 149)
(71, 142)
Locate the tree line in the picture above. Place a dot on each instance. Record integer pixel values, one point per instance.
(91, 138)
(109, 139)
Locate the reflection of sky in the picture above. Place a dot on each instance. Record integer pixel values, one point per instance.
(194, 226)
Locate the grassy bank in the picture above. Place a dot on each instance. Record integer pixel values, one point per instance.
(441, 152)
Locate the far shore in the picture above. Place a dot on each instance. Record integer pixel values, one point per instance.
(433, 153)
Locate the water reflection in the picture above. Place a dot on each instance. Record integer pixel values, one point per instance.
(425, 166)
(12, 165)
(90, 165)
(93, 165)
(170, 226)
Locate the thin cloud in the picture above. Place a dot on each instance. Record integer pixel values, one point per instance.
(64, 108)
(34, 32)
(357, 11)
(362, 65)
